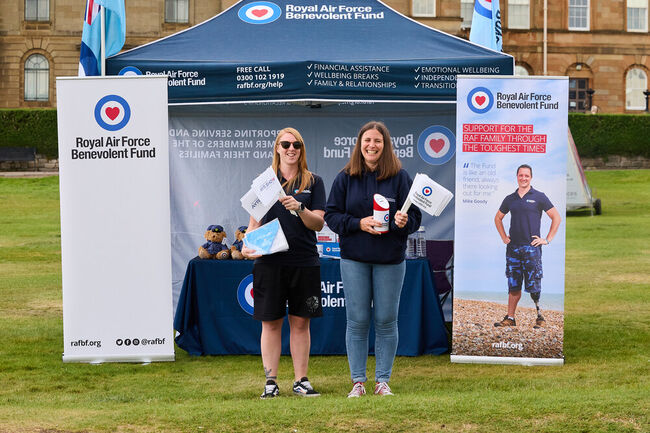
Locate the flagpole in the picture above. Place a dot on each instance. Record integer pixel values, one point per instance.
(103, 40)
(545, 37)
(406, 206)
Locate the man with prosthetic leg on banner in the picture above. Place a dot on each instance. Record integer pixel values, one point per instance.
(524, 243)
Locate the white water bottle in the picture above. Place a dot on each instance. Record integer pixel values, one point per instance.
(421, 243)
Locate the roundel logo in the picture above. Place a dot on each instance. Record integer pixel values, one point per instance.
(112, 112)
(436, 145)
(386, 217)
(426, 191)
(260, 12)
(484, 7)
(130, 71)
(480, 100)
(245, 294)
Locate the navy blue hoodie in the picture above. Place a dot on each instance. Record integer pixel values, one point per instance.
(351, 199)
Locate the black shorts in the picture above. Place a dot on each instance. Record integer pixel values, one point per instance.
(275, 286)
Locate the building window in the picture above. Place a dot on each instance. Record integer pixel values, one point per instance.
(637, 15)
(424, 8)
(636, 81)
(578, 14)
(578, 94)
(37, 10)
(521, 71)
(177, 11)
(518, 14)
(466, 12)
(37, 78)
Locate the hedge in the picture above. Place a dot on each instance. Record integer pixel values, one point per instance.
(595, 135)
(30, 127)
(611, 134)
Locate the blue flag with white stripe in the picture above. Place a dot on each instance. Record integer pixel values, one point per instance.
(486, 24)
(115, 22)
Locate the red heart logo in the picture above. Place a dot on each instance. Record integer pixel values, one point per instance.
(480, 100)
(259, 13)
(112, 112)
(437, 144)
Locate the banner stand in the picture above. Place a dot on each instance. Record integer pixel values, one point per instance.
(510, 219)
(461, 359)
(115, 219)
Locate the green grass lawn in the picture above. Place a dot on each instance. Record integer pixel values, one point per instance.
(603, 387)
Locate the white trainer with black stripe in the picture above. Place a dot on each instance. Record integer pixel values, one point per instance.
(304, 389)
(270, 390)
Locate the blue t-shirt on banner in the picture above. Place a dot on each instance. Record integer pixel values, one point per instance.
(526, 214)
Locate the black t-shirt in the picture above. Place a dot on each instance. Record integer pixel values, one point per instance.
(302, 241)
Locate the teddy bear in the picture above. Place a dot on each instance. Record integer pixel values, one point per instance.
(235, 248)
(214, 248)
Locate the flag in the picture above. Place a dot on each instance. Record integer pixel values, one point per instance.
(486, 24)
(254, 206)
(90, 41)
(115, 22)
(428, 195)
(265, 191)
(115, 25)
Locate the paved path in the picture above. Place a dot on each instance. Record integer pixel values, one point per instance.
(15, 174)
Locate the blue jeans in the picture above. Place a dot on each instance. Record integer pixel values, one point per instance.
(369, 285)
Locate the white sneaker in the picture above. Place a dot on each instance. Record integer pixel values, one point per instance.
(357, 390)
(382, 388)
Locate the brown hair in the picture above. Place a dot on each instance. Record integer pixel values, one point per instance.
(387, 166)
(525, 166)
(304, 175)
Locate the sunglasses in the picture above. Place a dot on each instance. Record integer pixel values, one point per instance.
(296, 144)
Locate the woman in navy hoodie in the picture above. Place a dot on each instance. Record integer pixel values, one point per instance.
(372, 263)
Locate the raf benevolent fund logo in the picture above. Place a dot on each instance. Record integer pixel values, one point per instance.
(130, 71)
(260, 12)
(436, 145)
(245, 294)
(112, 112)
(480, 100)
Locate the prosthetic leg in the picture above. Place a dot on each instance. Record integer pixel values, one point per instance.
(539, 322)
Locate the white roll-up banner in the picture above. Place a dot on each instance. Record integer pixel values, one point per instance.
(510, 228)
(115, 219)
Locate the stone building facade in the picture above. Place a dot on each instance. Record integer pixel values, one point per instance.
(602, 46)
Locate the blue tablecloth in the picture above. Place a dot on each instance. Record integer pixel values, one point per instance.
(214, 313)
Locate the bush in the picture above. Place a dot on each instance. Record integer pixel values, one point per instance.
(611, 134)
(30, 127)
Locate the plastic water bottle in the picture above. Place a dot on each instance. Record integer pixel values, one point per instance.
(421, 242)
(410, 246)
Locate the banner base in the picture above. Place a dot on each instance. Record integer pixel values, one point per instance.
(99, 359)
(463, 359)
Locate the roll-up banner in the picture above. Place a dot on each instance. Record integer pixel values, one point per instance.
(511, 170)
(115, 219)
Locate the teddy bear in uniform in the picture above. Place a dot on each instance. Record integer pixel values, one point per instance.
(235, 248)
(214, 248)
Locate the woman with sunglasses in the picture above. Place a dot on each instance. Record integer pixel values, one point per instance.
(372, 262)
(290, 277)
